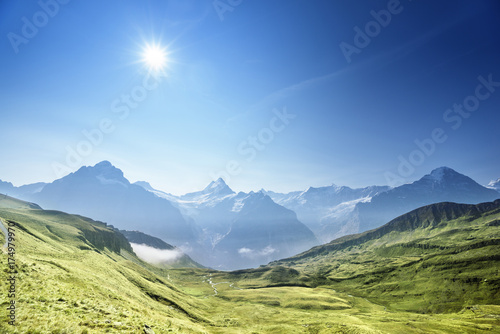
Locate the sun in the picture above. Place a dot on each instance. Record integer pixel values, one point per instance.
(155, 57)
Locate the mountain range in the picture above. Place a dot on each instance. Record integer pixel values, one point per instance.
(325, 209)
(441, 185)
(254, 228)
(227, 230)
(241, 228)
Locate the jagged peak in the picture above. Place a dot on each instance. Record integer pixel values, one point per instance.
(217, 183)
(218, 186)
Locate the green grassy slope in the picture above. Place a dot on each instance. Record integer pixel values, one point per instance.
(439, 258)
(75, 275)
(14, 203)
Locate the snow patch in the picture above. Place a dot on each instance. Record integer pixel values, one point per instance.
(238, 205)
(494, 184)
(103, 180)
(344, 208)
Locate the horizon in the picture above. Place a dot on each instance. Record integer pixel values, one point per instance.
(254, 190)
(287, 95)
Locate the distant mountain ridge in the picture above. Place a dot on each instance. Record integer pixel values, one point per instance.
(217, 223)
(22, 191)
(334, 211)
(324, 208)
(424, 217)
(195, 222)
(102, 192)
(441, 185)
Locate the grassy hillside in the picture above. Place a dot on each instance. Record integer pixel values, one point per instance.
(439, 258)
(76, 275)
(14, 203)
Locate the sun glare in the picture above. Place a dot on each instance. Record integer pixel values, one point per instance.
(154, 57)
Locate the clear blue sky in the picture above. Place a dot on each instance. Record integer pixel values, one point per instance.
(226, 79)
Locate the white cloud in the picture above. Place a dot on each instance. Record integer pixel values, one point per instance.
(267, 251)
(155, 255)
(250, 253)
(245, 251)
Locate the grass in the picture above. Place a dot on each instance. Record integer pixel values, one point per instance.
(75, 275)
(441, 268)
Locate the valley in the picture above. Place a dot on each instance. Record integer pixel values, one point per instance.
(434, 270)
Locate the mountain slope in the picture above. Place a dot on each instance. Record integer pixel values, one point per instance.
(441, 185)
(102, 192)
(436, 258)
(325, 209)
(8, 202)
(262, 231)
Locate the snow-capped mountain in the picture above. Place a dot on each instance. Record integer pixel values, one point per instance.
(494, 184)
(241, 230)
(324, 208)
(211, 208)
(441, 185)
(102, 192)
(213, 193)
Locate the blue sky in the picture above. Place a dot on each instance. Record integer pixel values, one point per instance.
(236, 69)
